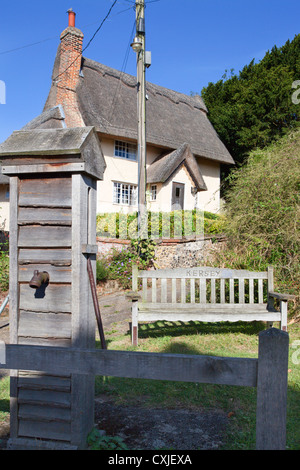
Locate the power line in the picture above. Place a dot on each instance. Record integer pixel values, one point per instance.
(98, 29)
(53, 37)
(28, 45)
(113, 103)
(103, 21)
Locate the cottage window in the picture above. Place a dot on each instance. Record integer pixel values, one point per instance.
(125, 194)
(125, 150)
(153, 192)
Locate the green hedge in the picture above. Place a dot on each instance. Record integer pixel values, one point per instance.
(160, 224)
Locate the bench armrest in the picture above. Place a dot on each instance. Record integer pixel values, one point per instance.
(133, 295)
(279, 296)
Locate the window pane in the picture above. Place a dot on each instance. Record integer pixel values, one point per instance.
(153, 192)
(124, 194)
(117, 193)
(125, 150)
(133, 195)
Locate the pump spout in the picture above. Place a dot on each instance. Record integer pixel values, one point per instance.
(38, 279)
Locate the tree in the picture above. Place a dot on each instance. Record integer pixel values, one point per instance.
(254, 108)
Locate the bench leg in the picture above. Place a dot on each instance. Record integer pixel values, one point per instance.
(283, 311)
(134, 324)
(271, 307)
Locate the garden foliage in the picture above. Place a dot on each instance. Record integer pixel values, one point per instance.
(4, 261)
(118, 265)
(263, 213)
(160, 224)
(255, 107)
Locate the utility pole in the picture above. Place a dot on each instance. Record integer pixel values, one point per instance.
(139, 47)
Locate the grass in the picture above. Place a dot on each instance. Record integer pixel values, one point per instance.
(222, 339)
(4, 398)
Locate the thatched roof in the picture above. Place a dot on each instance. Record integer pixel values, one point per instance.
(165, 165)
(107, 100)
(53, 118)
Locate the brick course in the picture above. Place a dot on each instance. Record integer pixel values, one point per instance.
(68, 76)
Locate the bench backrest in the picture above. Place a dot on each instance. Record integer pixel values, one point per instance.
(203, 285)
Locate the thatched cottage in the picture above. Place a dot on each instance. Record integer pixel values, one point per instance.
(184, 153)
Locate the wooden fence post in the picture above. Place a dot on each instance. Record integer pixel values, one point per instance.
(272, 390)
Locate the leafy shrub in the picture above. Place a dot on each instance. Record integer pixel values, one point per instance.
(263, 213)
(119, 264)
(143, 251)
(162, 224)
(96, 441)
(4, 263)
(102, 271)
(120, 267)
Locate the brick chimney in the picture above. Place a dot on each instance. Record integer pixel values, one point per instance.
(69, 69)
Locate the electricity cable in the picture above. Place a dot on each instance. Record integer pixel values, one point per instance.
(89, 43)
(52, 37)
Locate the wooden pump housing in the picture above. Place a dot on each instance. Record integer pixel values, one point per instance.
(53, 178)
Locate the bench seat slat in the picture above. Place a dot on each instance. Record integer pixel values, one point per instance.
(183, 291)
(164, 290)
(213, 291)
(235, 295)
(153, 289)
(202, 283)
(260, 291)
(144, 306)
(208, 316)
(192, 291)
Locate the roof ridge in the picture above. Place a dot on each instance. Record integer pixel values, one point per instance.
(194, 101)
(167, 163)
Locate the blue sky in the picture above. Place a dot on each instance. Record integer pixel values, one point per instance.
(192, 43)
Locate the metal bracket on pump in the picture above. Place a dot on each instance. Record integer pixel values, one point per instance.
(87, 250)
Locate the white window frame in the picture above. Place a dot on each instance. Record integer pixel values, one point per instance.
(125, 150)
(153, 192)
(124, 194)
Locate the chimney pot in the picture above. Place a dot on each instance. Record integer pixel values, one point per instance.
(72, 15)
(70, 56)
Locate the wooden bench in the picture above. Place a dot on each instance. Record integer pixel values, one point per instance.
(205, 294)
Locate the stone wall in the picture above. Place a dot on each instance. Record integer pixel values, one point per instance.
(172, 253)
(186, 253)
(107, 245)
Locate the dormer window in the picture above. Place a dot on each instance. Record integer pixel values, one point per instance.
(125, 150)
